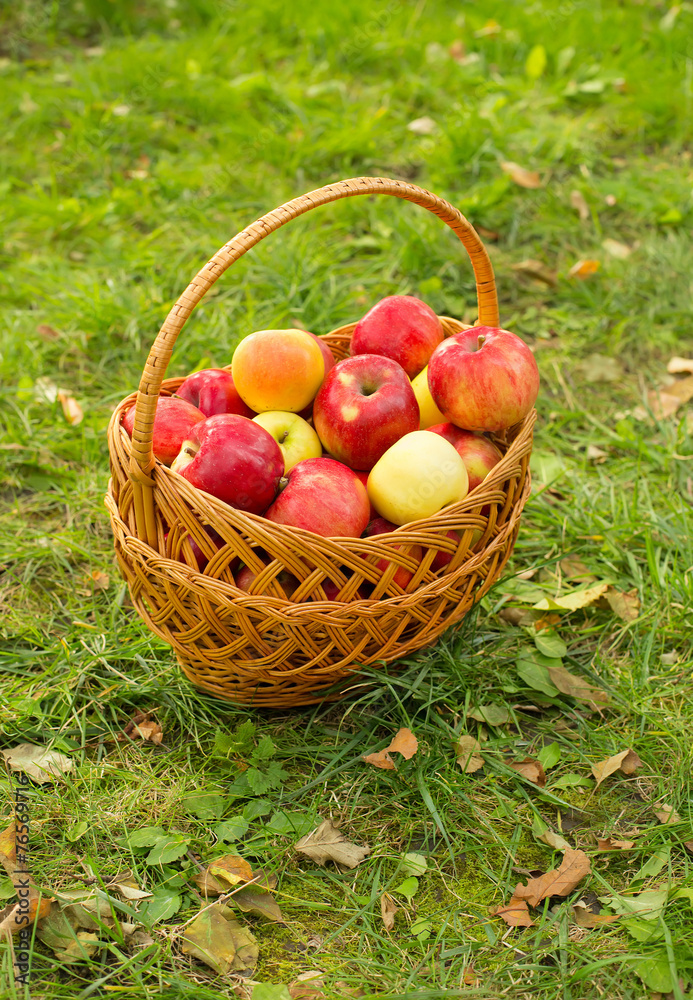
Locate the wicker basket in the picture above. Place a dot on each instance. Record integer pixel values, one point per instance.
(260, 648)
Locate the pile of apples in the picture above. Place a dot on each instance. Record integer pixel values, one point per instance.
(353, 448)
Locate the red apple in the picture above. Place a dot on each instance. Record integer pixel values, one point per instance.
(363, 476)
(213, 391)
(364, 405)
(200, 557)
(246, 578)
(173, 423)
(476, 451)
(402, 577)
(483, 379)
(234, 459)
(323, 496)
(400, 327)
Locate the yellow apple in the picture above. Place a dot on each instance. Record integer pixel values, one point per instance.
(416, 477)
(429, 412)
(295, 437)
(278, 370)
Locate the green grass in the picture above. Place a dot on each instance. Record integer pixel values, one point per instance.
(137, 139)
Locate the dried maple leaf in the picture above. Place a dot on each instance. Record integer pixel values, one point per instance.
(627, 762)
(327, 843)
(584, 268)
(388, 910)
(403, 742)
(99, 579)
(530, 769)
(468, 756)
(520, 175)
(558, 882)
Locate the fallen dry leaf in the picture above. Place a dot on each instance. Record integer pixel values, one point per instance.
(627, 762)
(554, 840)
(47, 332)
(558, 882)
(530, 769)
(423, 126)
(252, 899)
(585, 917)
(488, 234)
(574, 600)
(468, 756)
(573, 568)
(609, 844)
(680, 366)
(584, 268)
(327, 843)
(217, 939)
(616, 249)
(403, 742)
(388, 910)
(520, 175)
(39, 763)
(8, 849)
(231, 869)
(143, 727)
(307, 986)
(596, 454)
(577, 201)
(72, 411)
(667, 814)
(99, 580)
(535, 269)
(665, 402)
(624, 604)
(127, 888)
(515, 913)
(578, 688)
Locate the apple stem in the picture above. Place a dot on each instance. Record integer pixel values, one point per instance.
(283, 483)
(480, 341)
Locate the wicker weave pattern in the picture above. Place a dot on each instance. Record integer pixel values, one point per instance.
(258, 647)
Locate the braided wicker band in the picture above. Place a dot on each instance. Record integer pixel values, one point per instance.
(259, 647)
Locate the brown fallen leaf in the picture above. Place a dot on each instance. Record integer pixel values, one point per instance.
(99, 580)
(231, 869)
(8, 849)
(520, 175)
(619, 250)
(624, 604)
(680, 366)
(468, 756)
(403, 742)
(535, 269)
(40, 763)
(584, 268)
(327, 843)
(143, 727)
(667, 814)
(558, 882)
(610, 844)
(585, 917)
(554, 840)
(665, 402)
(627, 762)
(388, 910)
(127, 888)
(578, 688)
(72, 411)
(577, 201)
(469, 976)
(573, 568)
(530, 769)
(217, 939)
(515, 913)
(47, 332)
(688, 844)
(488, 234)
(307, 986)
(254, 900)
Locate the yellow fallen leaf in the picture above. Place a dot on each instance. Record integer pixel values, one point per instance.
(574, 600)
(624, 604)
(71, 408)
(627, 762)
(584, 268)
(616, 249)
(403, 742)
(667, 814)
(520, 175)
(468, 756)
(678, 366)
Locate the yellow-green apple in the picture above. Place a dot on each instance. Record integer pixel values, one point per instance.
(278, 369)
(173, 423)
(213, 391)
(428, 411)
(402, 577)
(483, 379)
(364, 405)
(476, 451)
(416, 477)
(295, 437)
(323, 496)
(400, 327)
(234, 459)
(246, 577)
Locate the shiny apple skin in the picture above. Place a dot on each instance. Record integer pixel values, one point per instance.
(364, 405)
(213, 391)
(278, 369)
(400, 327)
(173, 424)
(322, 496)
(429, 413)
(381, 526)
(477, 452)
(363, 477)
(327, 355)
(483, 387)
(237, 461)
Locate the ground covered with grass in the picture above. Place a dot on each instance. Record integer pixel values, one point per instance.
(137, 139)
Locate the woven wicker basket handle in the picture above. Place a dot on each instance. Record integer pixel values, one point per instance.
(142, 459)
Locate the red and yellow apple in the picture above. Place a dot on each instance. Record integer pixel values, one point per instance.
(173, 423)
(429, 413)
(234, 459)
(322, 496)
(483, 379)
(278, 370)
(212, 390)
(476, 451)
(293, 434)
(420, 474)
(327, 355)
(400, 327)
(364, 405)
